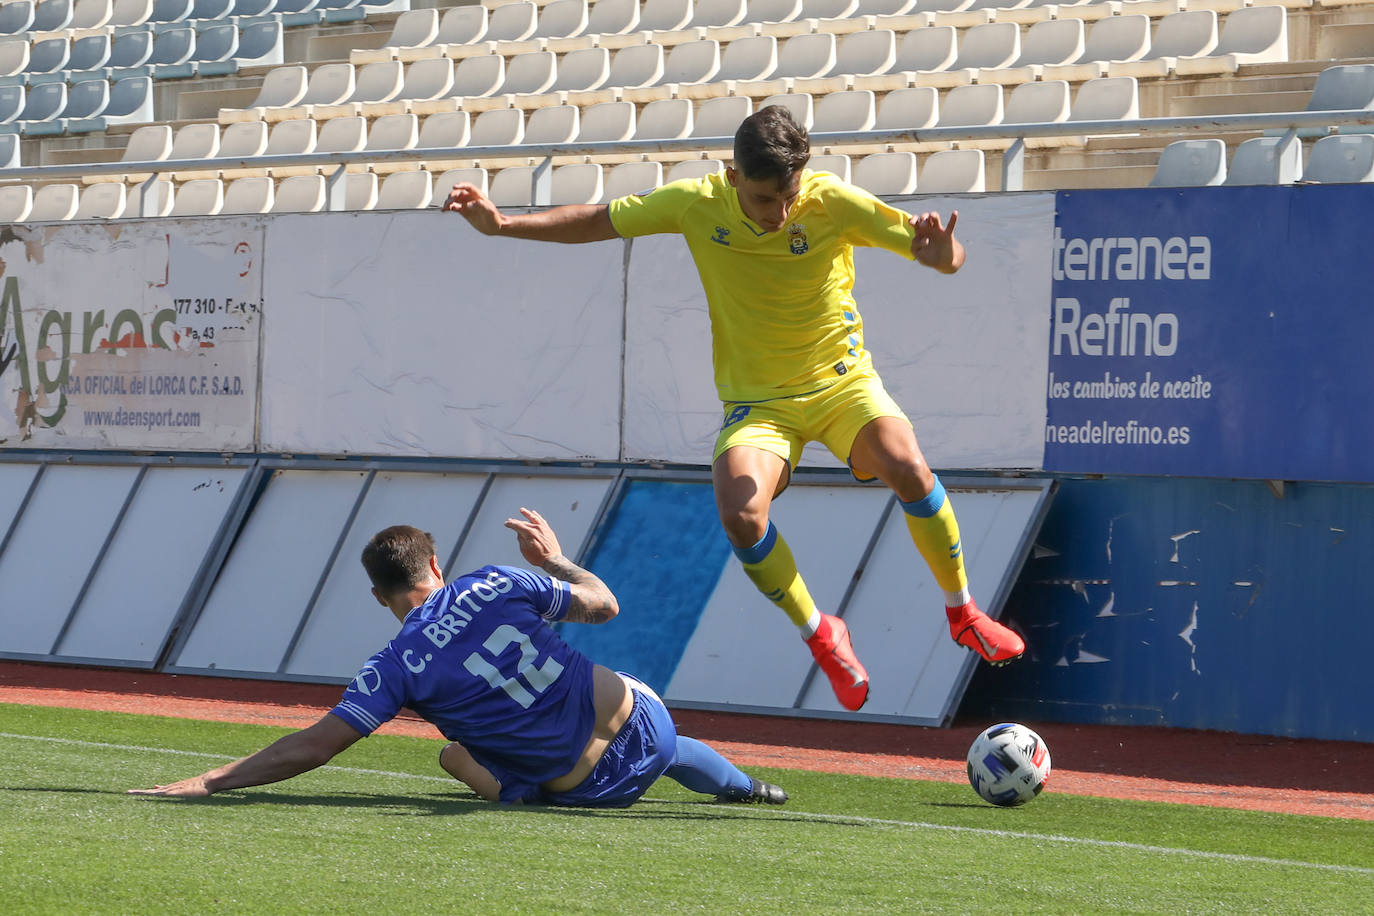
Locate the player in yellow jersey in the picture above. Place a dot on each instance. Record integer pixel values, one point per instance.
(773, 243)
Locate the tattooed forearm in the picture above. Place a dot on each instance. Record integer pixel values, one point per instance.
(592, 601)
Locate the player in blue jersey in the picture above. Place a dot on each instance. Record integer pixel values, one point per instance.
(530, 719)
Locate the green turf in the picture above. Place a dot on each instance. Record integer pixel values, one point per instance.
(380, 832)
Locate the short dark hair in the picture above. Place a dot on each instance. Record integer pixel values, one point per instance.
(770, 144)
(397, 558)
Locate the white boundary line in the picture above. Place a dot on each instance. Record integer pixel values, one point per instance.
(811, 816)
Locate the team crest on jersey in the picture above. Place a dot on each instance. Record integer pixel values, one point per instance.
(797, 240)
(721, 236)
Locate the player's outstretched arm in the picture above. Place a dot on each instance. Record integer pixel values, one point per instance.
(934, 244)
(592, 601)
(288, 756)
(575, 223)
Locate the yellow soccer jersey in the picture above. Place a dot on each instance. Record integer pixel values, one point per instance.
(783, 318)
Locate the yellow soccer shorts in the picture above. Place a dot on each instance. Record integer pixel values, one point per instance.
(831, 416)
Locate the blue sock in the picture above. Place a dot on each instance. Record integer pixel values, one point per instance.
(701, 768)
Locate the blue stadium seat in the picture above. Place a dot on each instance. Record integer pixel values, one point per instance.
(131, 102)
(52, 15)
(259, 44)
(16, 17)
(86, 99)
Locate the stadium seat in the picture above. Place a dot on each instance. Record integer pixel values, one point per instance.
(126, 13)
(128, 51)
(765, 11)
(48, 55)
(328, 85)
(446, 130)
(834, 163)
(556, 19)
(424, 81)
(1114, 39)
(200, 141)
(410, 190)
(1342, 88)
(577, 183)
(717, 14)
(1048, 43)
(167, 11)
(1107, 99)
(800, 104)
(443, 185)
(857, 54)
(607, 121)
(133, 201)
(378, 89)
(285, 138)
(845, 111)
(721, 117)
(665, 15)
(473, 77)
(913, 108)
(578, 71)
(102, 201)
(54, 202)
(9, 151)
(886, 174)
(1251, 35)
(743, 60)
(555, 124)
(216, 44)
(251, 194)
(971, 106)
(337, 135)
(512, 21)
(14, 59)
(282, 87)
(360, 191)
(209, 10)
(254, 12)
(389, 132)
(1341, 159)
(89, 54)
(1265, 160)
(86, 99)
(626, 178)
(952, 171)
(1040, 102)
(498, 127)
(149, 143)
(459, 27)
(16, 200)
(43, 103)
(990, 46)
(530, 74)
(171, 48)
(1187, 33)
(801, 57)
(687, 63)
(664, 119)
(52, 15)
(260, 45)
(693, 168)
(633, 67)
(131, 102)
(300, 194)
(922, 54)
(13, 100)
(513, 186)
(412, 29)
(1191, 164)
(90, 14)
(16, 17)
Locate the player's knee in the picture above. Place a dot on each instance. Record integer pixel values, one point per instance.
(744, 526)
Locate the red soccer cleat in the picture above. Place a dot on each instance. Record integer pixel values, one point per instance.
(973, 629)
(833, 651)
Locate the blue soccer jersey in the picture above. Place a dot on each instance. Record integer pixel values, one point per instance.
(479, 661)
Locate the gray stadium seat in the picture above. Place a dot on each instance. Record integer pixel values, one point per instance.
(1191, 164)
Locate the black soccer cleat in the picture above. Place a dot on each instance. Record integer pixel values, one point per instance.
(760, 793)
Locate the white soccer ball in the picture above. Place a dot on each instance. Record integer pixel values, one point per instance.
(1008, 764)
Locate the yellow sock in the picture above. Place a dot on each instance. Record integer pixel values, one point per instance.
(935, 531)
(769, 564)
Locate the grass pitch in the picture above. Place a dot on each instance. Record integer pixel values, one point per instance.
(384, 830)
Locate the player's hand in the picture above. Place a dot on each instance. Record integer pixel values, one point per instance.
(537, 540)
(186, 788)
(934, 244)
(469, 201)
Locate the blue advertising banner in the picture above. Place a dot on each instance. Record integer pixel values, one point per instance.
(1213, 332)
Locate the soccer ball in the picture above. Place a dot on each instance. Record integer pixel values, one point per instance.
(1008, 764)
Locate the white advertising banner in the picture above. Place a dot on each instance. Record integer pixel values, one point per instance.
(964, 355)
(410, 334)
(140, 335)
